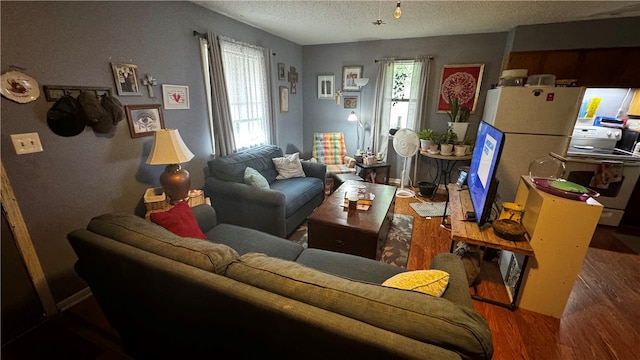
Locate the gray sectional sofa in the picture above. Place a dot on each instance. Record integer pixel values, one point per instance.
(278, 210)
(247, 294)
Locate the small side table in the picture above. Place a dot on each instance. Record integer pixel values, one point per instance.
(370, 170)
(469, 232)
(196, 197)
(444, 165)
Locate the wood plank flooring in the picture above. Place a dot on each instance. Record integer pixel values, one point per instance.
(601, 320)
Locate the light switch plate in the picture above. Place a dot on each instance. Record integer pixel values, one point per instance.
(26, 143)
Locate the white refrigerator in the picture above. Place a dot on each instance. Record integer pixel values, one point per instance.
(536, 121)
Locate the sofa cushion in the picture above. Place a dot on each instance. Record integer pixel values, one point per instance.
(298, 192)
(143, 234)
(428, 319)
(340, 169)
(288, 166)
(432, 282)
(179, 220)
(245, 240)
(347, 265)
(231, 167)
(254, 178)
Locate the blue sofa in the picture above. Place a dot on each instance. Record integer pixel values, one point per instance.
(246, 295)
(279, 210)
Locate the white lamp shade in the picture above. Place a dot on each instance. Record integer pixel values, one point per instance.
(360, 82)
(352, 117)
(168, 148)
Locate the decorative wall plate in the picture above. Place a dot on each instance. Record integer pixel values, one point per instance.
(19, 87)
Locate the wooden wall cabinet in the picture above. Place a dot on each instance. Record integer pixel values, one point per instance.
(609, 67)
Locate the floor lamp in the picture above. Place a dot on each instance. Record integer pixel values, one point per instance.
(360, 83)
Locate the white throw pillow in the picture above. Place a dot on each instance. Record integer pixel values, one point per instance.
(432, 282)
(288, 166)
(254, 178)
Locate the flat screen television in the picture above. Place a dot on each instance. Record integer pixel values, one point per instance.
(481, 179)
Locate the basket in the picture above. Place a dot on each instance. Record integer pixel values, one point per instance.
(196, 197)
(155, 199)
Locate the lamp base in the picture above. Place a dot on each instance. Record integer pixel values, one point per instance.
(176, 183)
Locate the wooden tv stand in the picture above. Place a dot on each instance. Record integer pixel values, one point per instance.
(559, 232)
(470, 233)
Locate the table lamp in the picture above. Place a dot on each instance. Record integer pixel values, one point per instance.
(169, 149)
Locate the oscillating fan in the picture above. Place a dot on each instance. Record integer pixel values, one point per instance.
(406, 143)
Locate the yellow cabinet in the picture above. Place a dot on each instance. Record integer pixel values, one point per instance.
(634, 107)
(560, 231)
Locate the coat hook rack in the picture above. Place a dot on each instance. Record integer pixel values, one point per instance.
(55, 92)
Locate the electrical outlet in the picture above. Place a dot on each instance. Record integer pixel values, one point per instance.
(26, 143)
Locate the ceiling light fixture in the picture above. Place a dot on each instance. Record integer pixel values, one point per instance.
(398, 12)
(378, 21)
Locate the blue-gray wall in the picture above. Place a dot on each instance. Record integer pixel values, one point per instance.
(73, 43)
(325, 115)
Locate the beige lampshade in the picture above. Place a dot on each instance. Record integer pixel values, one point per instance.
(168, 148)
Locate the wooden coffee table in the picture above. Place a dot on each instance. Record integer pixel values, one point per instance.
(334, 227)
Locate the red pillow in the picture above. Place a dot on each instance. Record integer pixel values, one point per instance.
(180, 221)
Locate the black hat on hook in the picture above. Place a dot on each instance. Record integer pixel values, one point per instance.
(97, 117)
(65, 118)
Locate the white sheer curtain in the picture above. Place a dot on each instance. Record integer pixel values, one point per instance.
(417, 103)
(417, 100)
(246, 77)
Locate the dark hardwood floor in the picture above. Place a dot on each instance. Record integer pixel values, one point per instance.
(602, 317)
(601, 320)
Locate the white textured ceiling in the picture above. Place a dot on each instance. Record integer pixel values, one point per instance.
(328, 21)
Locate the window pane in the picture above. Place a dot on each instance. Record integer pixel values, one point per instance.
(402, 80)
(400, 93)
(398, 117)
(246, 79)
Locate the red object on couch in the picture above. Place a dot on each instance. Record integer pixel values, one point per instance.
(180, 221)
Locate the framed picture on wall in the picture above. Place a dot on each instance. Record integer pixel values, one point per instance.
(144, 119)
(175, 96)
(349, 74)
(284, 99)
(126, 78)
(461, 81)
(350, 102)
(326, 86)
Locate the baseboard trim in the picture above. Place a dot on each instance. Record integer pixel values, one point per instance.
(74, 299)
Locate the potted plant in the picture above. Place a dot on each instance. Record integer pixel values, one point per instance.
(448, 139)
(459, 117)
(425, 136)
(436, 139)
(469, 142)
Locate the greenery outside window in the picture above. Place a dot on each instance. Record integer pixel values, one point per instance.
(400, 93)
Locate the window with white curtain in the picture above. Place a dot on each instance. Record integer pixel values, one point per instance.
(400, 93)
(246, 76)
